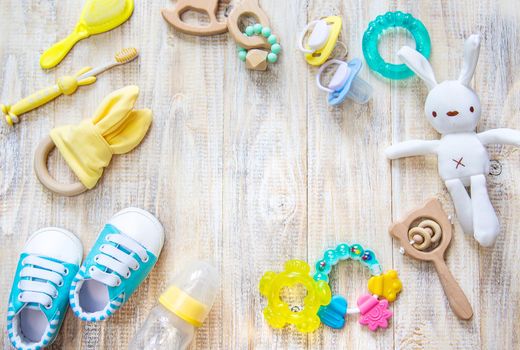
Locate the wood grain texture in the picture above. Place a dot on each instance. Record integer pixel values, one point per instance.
(249, 169)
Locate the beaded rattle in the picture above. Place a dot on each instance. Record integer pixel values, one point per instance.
(257, 59)
(278, 313)
(425, 234)
(373, 307)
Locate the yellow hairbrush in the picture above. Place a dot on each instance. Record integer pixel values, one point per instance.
(66, 85)
(98, 16)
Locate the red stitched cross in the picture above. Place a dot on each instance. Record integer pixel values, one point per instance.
(459, 162)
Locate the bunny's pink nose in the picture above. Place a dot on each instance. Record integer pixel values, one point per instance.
(452, 113)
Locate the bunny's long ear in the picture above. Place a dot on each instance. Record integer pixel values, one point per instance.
(471, 52)
(418, 64)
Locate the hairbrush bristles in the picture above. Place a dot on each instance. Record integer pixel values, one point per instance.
(126, 55)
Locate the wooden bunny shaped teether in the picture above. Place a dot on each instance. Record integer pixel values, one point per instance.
(425, 234)
(453, 109)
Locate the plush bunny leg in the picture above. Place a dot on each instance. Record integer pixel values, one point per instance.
(485, 221)
(462, 203)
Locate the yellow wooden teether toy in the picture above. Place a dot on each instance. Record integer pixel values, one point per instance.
(98, 16)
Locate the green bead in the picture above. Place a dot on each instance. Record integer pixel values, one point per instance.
(276, 48)
(250, 30)
(257, 28)
(240, 49)
(272, 39)
(266, 32)
(272, 58)
(242, 55)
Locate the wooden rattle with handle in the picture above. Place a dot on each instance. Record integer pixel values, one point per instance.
(425, 234)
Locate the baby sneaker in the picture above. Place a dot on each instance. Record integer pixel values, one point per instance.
(125, 252)
(39, 295)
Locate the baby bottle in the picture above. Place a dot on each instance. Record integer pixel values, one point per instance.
(184, 306)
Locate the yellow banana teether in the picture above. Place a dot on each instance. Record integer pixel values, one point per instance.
(98, 16)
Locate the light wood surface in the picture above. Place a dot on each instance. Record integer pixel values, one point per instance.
(249, 169)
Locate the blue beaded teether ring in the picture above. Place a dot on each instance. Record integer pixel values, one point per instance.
(258, 29)
(378, 26)
(373, 307)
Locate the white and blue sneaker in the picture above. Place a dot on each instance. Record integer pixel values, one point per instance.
(39, 295)
(125, 252)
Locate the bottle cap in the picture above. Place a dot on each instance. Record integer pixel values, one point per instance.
(192, 293)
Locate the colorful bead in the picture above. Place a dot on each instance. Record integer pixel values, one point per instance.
(330, 256)
(276, 48)
(356, 251)
(343, 251)
(257, 28)
(272, 39)
(242, 55)
(323, 267)
(266, 32)
(250, 30)
(272, 57)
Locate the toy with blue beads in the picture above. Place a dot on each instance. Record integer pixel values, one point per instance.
(373, 307)
(257, 59)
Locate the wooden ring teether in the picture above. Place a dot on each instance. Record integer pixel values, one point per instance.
(42, 172)
(248, 8)
(426, 234)
(209, 7)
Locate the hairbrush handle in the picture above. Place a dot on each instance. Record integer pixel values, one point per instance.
(65, 85)
(55, 54)
(458, 301)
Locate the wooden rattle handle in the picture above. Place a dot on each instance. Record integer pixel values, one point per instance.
(458, 301)
(42, 173)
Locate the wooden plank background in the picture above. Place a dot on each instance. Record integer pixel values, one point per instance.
(249, 169)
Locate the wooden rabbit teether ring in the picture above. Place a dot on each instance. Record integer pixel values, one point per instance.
(432, 211)
(210, 7)
(42, 172)
(248, 8)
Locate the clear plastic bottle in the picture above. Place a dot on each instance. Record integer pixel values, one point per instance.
(184, 306)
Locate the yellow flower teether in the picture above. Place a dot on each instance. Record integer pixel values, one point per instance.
(387, 285)
(278, 313)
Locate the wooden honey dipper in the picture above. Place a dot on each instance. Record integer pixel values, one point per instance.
(428, 241)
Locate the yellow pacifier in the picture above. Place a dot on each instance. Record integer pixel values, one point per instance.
(98, 16)
(321, 41)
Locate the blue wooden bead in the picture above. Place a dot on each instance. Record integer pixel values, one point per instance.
(272, 39)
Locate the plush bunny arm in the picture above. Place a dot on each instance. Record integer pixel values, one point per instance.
(500, 136)
(411, 148)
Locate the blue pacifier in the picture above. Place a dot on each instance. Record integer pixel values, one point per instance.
(345, 83)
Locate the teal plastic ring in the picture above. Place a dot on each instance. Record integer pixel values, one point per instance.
(387, 21)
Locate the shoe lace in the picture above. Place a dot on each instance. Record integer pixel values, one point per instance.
(117, 260)
(35, 276)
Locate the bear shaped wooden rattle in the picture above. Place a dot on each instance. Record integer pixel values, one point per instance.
(453, 109)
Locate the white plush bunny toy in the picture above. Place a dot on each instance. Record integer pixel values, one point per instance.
(453, 109)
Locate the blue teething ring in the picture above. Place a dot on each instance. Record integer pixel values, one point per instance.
(374, 31)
